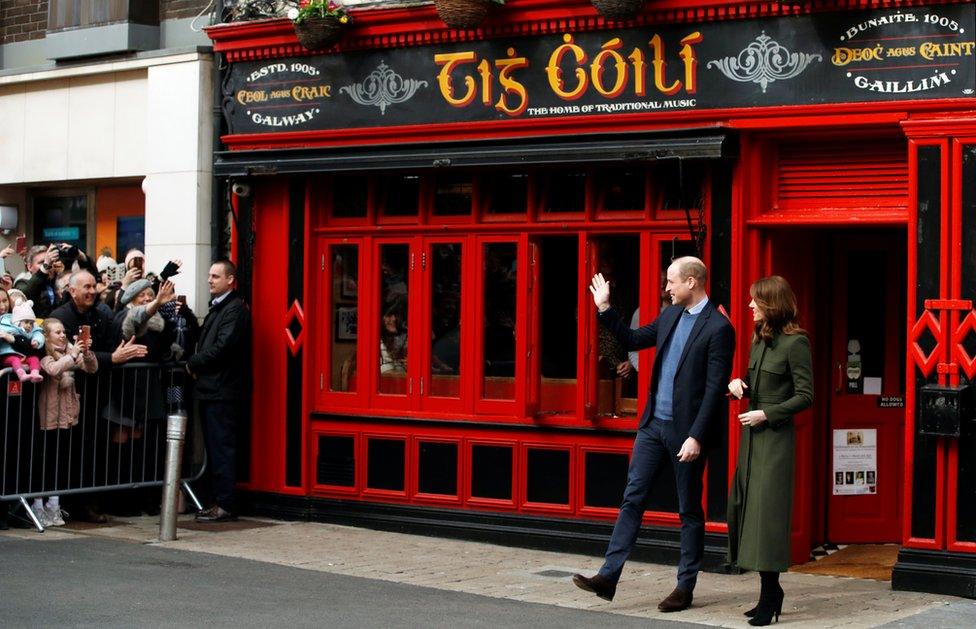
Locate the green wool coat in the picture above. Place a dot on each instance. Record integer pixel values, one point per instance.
(780, 380)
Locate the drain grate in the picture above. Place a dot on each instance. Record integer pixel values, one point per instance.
(556, 574)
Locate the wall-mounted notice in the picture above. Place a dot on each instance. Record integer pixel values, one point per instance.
(855, 462)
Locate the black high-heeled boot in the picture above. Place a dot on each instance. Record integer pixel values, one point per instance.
(770, 600)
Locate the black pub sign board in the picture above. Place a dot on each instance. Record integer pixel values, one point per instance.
(883, 55)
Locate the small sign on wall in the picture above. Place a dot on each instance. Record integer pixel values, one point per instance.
(855, 461)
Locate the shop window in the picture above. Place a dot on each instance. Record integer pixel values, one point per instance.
(61, 219)
(563, 191)
(547, 476)
(504, 193)
(560, 286)
(500, 276)
(392, 316)
(400, 195)
(386, 462)
(445, 320)
(345, 317)
(605, 478)
(622, 189)
(679, 185)
(618, 259)
(452, 194)
(491, 472)
(130, 233)
(336, 463)
(350, 196)
(437, 472)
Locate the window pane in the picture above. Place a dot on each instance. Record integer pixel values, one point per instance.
(619, 262)
(394, 266)
(452, 195)
(505, 193)
(623, 190)
(560, 286)
(401, 194)
(500, 275)
(345, 316)
(349, 196)
(564, 191)
(62, 219)
(445, 320)
(680, 183)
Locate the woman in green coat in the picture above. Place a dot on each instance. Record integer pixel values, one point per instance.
(779, 384)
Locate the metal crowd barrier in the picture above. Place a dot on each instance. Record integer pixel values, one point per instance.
(118, 443)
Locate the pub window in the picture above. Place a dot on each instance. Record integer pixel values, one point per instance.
(604, 478)
(399, 195)
(618, 259)
(491, 472)
(679, 184)
(350, 196)
(394, 260)
(336, 461)
(453, 194)
(498, 316)
(622, 189)
(445, 320)
(345, 323)
(563, 191)
(438, 464)
(559, 286)
(504, 192)
(547, 476)
(386, 463)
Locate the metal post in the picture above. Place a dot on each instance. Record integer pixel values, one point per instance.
(175, 435)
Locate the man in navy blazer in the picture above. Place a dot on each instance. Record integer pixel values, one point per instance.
(686, 410)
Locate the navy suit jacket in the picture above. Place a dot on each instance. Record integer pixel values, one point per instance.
(700, 406)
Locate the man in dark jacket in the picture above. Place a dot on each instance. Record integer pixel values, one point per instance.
(221, 367)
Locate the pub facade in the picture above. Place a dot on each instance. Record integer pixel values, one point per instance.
(417, 212)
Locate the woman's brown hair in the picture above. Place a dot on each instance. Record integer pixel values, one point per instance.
(775, 298)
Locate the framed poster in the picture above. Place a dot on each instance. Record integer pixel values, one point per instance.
(346, 321)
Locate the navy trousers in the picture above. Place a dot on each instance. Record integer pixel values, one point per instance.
(220, 422)
(656, 444)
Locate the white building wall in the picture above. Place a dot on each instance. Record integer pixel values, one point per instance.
(147, 119)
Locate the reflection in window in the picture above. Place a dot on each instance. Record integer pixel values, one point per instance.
(564, 191)
(452, 195)
(623, 189)
(559, 279)
(505, 192)
(445, 320)
(619, 262)
(394, 264)
(349, 196)
(681, 184)
(345, 319)
(401, 194)
(500, 274)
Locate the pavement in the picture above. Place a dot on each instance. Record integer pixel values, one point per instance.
(272, 573)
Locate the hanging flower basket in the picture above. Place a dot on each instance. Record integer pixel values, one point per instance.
(319, 32)
(618, 9)
(463, 13)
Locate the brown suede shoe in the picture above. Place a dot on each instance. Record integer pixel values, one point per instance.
(598, 584)
(676, 601)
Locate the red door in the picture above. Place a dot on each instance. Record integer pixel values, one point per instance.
(867, 387)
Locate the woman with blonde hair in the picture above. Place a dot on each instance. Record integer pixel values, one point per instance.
(779, 384)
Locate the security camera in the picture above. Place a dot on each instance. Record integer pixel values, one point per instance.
(240, 189)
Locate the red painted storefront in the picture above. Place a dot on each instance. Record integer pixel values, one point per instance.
(477, 236)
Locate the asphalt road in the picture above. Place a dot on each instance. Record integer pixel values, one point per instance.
(91, 582)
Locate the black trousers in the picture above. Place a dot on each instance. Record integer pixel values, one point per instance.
(220, 421)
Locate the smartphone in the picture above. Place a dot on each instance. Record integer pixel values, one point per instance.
(138, 262)
(21, 245)
(181, 299)
(84, 333)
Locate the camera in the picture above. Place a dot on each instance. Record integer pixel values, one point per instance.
(68, 254)
(240, 189)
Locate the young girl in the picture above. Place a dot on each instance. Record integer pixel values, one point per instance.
(20, 341)
(59, 407)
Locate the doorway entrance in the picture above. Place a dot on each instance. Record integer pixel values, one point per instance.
(851, 285)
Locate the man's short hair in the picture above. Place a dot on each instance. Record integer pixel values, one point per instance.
(33, 251)
(690, 266)
(230, 269)
(76, 276)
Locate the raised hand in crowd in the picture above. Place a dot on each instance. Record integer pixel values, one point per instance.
(51, 255)
(7, 251)
(128, 350)
(601, 292)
